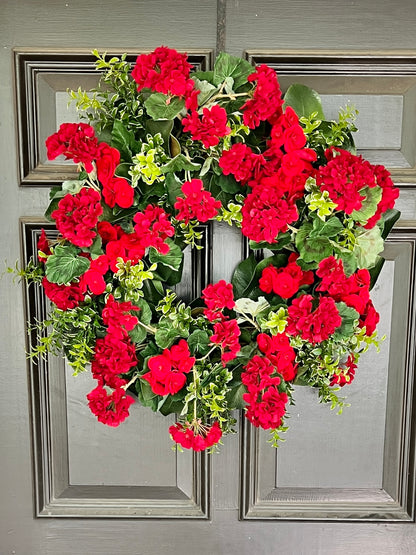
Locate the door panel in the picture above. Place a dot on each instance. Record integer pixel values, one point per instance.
(61, 471)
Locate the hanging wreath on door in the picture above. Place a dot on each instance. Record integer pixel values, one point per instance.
(163, 149)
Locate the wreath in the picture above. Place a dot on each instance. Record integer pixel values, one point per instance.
(163, 149)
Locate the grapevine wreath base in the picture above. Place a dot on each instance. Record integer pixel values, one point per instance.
(163, 149)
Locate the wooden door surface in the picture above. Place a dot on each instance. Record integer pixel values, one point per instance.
(339, 485)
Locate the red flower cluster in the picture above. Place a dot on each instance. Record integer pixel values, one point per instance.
(109, 409)
(116, 316)
(165, 71)
(266, 404)
(218, 296)
(113, 356)
(280, 353)
(209, 128)
(198, 204)
(347, 374)
(286, 281)
(241, 162)
(116, 190)
(77, 142)
(267, 101)
(64, 296)
(118, 244)
(388, 196)
(167, 371)
(153, 228)
(354, 290)
(313, 325)
(344, 177)
(77, 216)
(196, 437)
(94, 276)
(271, 206)
(226, 335)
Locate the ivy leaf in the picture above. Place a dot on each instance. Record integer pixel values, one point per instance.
(172, 259)
(304, 100)
(64, 265)
(369, 204)
(231, 66)
(180, 163)
(161, 106)
(349, 317)
(198, 342)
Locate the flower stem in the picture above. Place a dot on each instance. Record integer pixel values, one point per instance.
(148, 328)
(207, 355)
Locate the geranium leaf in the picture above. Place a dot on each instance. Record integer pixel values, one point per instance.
(164, 127)
(312, 249)
(231, 66)
(369, 204)
(304, 100)
(282, 240)
(161, 106)
(228, 184)
(206, 90)
(349, 317)
(367, 247)
(375, 270)
(234, 396)
(328, 228)
(64, 265)
(172, 259)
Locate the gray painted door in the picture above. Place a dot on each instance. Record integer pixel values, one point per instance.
(339, 485)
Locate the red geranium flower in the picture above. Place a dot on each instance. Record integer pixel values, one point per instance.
(209, 128)
(109, 409)
(218, 296)
(195, 435)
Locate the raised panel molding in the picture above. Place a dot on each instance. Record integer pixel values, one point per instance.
(382, 84)
(55, 496)
(39, 76)
(262, 498)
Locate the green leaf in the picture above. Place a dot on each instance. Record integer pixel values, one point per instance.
(304, 100)
(180, 163)
(64, 265)
(161, 106)
(173, 186)
(145, 312)
(388, 219)
(138, 334)
(164, 127)
(312, 249)
(96, 248)
(282, 240)
(204, 76)
(171, 405)
(53, 205)
(242, 275)
(146, 396)
(72, 186)
(234, 396)
(375, 270)
(206, 90)
(231, 66)
(166, 334)
(198, 342)
(123, 140)
(368, 245)
(172, 259)
(228, 184)
(349, 262)
(369, 204)
(328, 228)
(349, 317)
